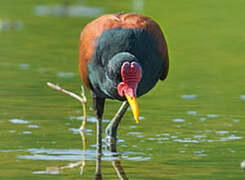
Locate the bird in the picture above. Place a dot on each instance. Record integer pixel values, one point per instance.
(121, 56)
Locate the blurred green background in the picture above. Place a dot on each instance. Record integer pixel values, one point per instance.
(192, 124)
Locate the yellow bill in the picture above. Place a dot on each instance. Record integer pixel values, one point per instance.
(134, 106)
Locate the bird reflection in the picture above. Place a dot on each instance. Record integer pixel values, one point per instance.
(111, 142)
(98, 174)
(115, 163)
(119, 169)
(98, 169)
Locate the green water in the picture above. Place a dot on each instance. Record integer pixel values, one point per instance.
(192, 124)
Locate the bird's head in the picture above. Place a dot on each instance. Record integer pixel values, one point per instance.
(131, 76)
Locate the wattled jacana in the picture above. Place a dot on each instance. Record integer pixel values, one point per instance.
(121, 56)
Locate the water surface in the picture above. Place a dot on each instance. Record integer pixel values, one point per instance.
(191, 127)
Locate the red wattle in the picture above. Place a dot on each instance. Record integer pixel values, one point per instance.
(131, 75)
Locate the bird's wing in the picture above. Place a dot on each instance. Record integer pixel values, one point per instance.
(88, 38)
(110, 21)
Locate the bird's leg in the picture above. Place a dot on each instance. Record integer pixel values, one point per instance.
(83, 162)
(98, 174)
(111, 129)
(82, 128)
(99, 109)
(119, 170)
(84, 109)
(99, 136)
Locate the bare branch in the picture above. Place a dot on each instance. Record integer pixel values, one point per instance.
(58, 88)
(83, 100)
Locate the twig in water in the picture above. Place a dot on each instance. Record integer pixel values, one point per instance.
(81, 98)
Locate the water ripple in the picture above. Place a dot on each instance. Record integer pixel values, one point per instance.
(242, 96)
(18, 121)
(70, 11)
(189, 96)
(77, 154)
(65, 74)
(91, 119)
(178, 120)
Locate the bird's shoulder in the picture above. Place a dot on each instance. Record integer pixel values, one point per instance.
(110, 21)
